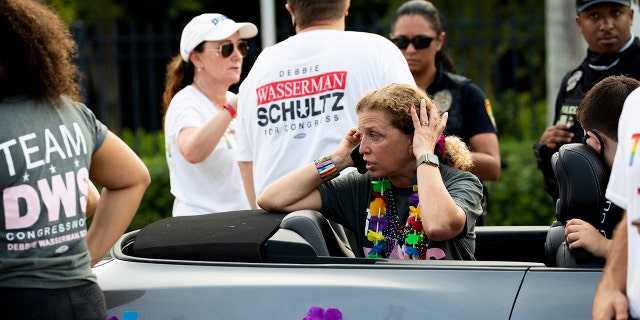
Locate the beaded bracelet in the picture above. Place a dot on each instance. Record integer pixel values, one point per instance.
(230, 109)
(326, 168)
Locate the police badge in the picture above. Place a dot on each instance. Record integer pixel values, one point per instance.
(443, 100)
(573, 80)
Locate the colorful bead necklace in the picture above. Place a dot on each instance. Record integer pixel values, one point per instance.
(388, 236)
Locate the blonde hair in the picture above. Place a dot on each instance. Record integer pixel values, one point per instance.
(396, 100)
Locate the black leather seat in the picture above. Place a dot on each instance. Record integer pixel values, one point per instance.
(582, 182)
(325, 237)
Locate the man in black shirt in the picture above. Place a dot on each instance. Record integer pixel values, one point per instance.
(613, 50)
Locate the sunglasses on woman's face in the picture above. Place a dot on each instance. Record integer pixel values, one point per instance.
(419, 42)
(227, 47)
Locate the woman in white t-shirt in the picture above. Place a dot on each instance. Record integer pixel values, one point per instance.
(199, 121)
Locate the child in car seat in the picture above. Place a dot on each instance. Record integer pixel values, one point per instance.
(598, 115)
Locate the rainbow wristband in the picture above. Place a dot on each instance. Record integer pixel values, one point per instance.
(230, 109)
(326, 168)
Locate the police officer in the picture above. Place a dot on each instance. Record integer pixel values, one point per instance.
(416, 28)
(613, 50)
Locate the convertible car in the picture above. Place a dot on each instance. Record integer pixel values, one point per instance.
(262, 265)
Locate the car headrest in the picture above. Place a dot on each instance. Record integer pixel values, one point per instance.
(318, 232)
(582, 182)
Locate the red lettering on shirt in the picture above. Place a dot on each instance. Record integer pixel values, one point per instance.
(301, 87)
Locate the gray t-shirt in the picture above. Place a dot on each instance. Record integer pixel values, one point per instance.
(45, 153)
(345, 200)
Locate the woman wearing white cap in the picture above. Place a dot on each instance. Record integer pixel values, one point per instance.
(199, 111)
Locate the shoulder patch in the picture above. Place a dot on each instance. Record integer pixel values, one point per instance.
(573, 80)
(487, 107)
(443, 100)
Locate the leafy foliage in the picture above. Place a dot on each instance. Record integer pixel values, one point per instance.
(157, 202)
(518, 116)
(518, 197)
(145, 144)
(91, 12)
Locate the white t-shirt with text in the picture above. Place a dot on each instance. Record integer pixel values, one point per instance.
(624, 190)
(298, 101)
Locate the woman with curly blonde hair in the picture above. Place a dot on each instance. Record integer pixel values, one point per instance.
(416, 201)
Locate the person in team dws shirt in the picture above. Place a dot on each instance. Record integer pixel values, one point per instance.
(300, 95)
(51, 149)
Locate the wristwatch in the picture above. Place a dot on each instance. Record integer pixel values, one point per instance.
(428, 158)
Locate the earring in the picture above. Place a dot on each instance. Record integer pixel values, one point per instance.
(199, 69)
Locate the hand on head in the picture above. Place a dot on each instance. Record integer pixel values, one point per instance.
(350, 140)
(428, 127)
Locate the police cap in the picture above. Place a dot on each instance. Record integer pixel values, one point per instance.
(582, 5)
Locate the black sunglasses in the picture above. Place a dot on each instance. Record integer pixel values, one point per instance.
(419, 42)
(226, 48)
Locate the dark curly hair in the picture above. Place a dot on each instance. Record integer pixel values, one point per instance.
(38, 51)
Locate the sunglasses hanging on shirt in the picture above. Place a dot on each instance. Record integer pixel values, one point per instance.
(419, 42)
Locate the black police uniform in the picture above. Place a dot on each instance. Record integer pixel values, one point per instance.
(575, 85)
(468, 107)
(469, 110)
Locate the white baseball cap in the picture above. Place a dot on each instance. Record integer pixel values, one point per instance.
(212, 27)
